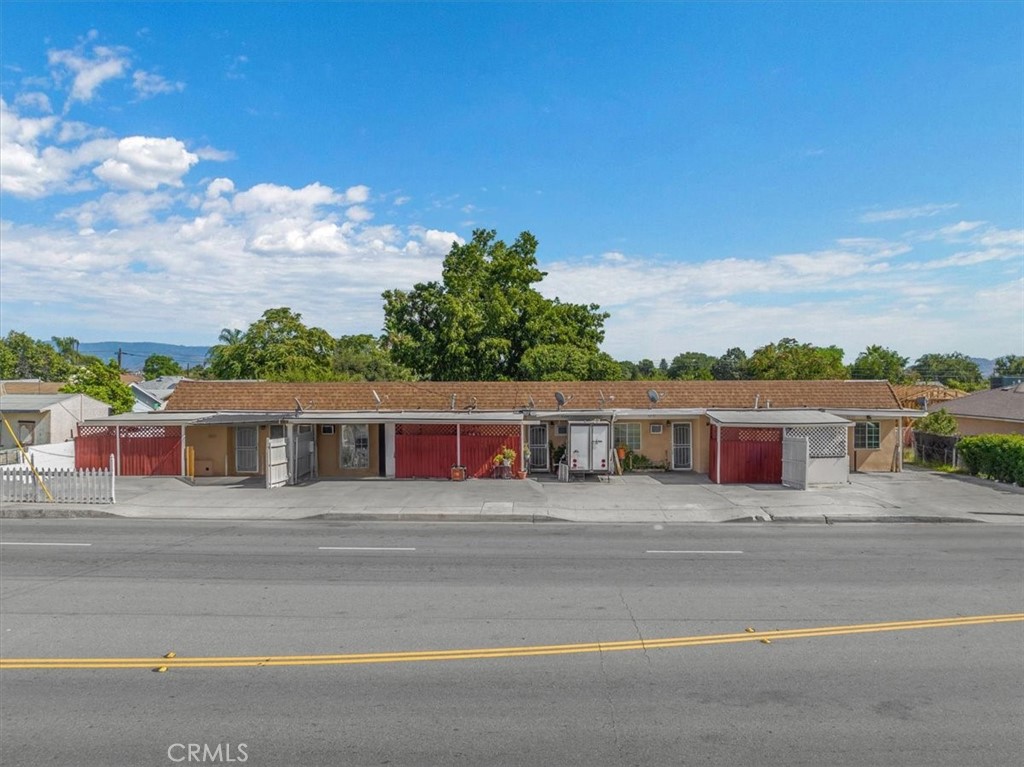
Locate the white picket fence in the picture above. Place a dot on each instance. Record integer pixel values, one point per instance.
(19, 484)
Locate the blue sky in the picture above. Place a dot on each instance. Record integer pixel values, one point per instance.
(713, 175)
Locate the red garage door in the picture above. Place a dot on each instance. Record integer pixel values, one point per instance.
(145, 451)
(424, 450)
(428, 451)
(749, 456)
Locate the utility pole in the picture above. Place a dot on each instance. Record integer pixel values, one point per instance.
(119, 358)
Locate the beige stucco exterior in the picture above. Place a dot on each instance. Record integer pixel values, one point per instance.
(970, 426)
(886, 457)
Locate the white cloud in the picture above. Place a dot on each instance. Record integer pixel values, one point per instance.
(88, 72)
(143, 162)
(358, 213)
(34, 100)
(273, 198)
(901, 214)
(357, 194)
(219, 186)
(148, 84)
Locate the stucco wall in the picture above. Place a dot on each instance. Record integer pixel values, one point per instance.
(886, 457)
(211, 445)
(970, 426)
(67, 414)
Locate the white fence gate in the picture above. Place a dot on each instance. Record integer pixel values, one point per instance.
(277, 462)
(20, 484)
(795, 457)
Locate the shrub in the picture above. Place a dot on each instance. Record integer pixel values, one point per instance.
(998, 456)
(940, 422)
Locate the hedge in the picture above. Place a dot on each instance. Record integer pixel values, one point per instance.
(998, 456)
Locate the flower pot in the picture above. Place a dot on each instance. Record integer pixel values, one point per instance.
(621, 451)
(458, 473)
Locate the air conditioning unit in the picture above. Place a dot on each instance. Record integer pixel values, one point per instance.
(655, 428)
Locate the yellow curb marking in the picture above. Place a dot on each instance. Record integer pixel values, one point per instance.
(497, 652)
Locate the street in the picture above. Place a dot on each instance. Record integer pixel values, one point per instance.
(943, 694)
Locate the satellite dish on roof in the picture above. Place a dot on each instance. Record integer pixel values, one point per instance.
(653, 396)
(559, 398)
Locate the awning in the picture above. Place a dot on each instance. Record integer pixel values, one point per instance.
(768, 418)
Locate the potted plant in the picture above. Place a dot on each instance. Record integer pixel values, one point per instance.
(504, 457)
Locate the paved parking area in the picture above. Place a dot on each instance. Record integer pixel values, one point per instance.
(912, 496)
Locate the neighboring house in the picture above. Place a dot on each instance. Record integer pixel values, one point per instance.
(30, 386)
(992, 411)
(151, 395)
(42, 419)
(420, 429)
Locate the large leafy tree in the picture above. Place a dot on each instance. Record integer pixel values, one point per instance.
(24, 357)
(790, 360)
(277, 347)
(878, 363)
(691, 366)
(485, 320)
(362, 358)
(157, 365)
(102, 381)
(1010, 365)
(731, 366)
(956, 370)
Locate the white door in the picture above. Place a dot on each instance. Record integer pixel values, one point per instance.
(538, 443)
(682, 452)
(247, 458)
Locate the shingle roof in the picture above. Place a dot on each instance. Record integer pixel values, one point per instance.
(908, 394)
(513, 395)
(1001, 404)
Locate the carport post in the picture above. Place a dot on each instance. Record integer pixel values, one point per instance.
(117, 442)
(458, 444)
(718, 454)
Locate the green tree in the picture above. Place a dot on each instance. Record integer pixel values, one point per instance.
(484, 316)
(691, 366)
(1010, 365)
(877, 363)
(277, 347)
(938, 422)
(103, 382)
(157, 365)
(362, 358)
(956, 370)
(24, 357)
(789, 360)
(731, 366)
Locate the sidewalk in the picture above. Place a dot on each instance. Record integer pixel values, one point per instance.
(913, 496)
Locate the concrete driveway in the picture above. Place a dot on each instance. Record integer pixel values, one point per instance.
(912, 496)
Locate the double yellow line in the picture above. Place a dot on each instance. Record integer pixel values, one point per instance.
(750, 635)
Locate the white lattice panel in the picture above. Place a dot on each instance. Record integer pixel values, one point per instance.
(822, 441)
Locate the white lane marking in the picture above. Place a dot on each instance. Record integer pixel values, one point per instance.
(674, 551)
(364, 548)
(26, 543)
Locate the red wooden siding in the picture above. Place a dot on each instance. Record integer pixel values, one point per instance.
(424, 450)
(749, 456)
(481, 443)
(93, 447)
(145, 450)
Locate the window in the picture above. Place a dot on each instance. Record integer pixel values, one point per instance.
(276, 431)
(628, 434)
(355, 446)
(27, 432)
(866, 436)
(327, 428)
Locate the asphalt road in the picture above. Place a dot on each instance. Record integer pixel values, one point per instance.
(942, 695)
